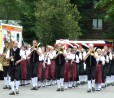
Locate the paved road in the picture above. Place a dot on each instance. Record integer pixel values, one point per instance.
(50, 92)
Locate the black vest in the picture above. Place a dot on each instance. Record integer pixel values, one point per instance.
(34, 57)
(4, 50)
(90, 61)
(60, 60)
(16, 55)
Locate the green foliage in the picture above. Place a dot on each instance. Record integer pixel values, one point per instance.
(9, 9)
(108, 6)
(56, 19)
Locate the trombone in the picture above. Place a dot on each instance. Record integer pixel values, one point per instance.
(92, 53)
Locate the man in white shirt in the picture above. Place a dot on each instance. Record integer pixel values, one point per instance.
(15, 57)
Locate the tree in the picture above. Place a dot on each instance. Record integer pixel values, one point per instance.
(28, 19)
(108, 6)
(21, 11)
(56, 19)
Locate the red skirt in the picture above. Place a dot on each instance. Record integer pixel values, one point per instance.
(52, 70)
(67, 72)
(73, 71)
(40, 71)
(46, 72)
(98, 73)
(23, 70)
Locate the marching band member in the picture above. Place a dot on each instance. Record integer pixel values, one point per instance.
(90, 60)
(109, 66)
(47, 63)
(75, 49)
(100, 62)
(81, 66)
(112, 70)
(23, 68)
(67, 69)
(51, 55)
(34, 60)
(74, 61)
(15, 57)
(7, 78)
(27, 52)
(60, 61)
(106, 68)
(41, 67)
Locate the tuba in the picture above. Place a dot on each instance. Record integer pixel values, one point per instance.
(3, 59)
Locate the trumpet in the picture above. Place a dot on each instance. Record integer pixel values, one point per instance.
(36, 46)
(61, 50)
(92, 52)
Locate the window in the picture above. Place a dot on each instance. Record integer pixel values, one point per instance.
(97, 23)
(18, 37)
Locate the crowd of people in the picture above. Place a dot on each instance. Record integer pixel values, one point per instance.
(55, 65)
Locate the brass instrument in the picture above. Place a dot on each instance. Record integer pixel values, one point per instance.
(61, 50)
(92, 53)
(35, 47)
(3, 59)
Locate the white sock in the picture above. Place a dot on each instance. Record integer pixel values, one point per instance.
(99, 85)
(80, 78)
(12, 86)
(61, 82)
(58, 83)
(5, 80)
(33, 82)
(96, 86)
(17, 84)
(36, 81)
(89, 84)
(71, 83)
(93, 83)
(39, 83)
(9, 80)
(113, 78)
(110, 81)
(85, 78)
(66, 85)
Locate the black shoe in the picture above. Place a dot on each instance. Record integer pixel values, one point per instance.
(62, 89)
(81, 83)
(33, 88)
(5, 87)
(12, 93)
(9, 87)
(89, 90)
(36, 88)
(93, 89)
(112, 84)
(17, 91)
(58, 89)
(76, 85)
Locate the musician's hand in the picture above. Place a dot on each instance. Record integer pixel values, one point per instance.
(44, 65)
(35, 49)
(17, 62)
(3, 54)
(88, 52)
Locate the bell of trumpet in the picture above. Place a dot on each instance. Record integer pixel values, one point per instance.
(61, 50)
